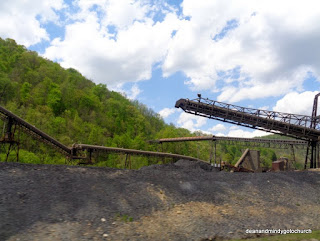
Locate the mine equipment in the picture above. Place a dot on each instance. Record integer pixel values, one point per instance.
(303, 127)
(247, 142)
(259, 142)
(12, 123)
(76, 148)
(313, 144)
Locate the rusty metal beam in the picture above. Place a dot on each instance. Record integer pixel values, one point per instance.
(33, 131)
(258, 141)
(82, 147)
(13, 119)
(294, 125)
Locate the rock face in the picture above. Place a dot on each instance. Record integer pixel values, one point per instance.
(181, 201)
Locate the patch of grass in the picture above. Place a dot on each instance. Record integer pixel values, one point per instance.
(124, 218)
(286, 237)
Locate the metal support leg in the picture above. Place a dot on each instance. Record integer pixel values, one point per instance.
(126, 161)
(18, 149)
(215, 152)
(9, 135)
(313, 154)
(293, 155)
(4, 128)
(306, 160)
(198, 150)
(8, 152)
(318, 158)
(211, 152)
(90, 156)
(163, 160)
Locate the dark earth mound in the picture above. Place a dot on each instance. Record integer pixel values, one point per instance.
(181, 201)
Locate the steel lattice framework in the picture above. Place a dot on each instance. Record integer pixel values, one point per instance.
(91, 148)
(294, 125)
(12, 121)
(301, 127)
(257, 142)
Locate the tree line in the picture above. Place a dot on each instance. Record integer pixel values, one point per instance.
(73, 109)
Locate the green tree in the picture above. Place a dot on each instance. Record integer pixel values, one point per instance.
(25, 93)
(55, 99)
(7, 88)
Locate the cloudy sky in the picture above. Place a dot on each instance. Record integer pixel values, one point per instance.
(259, 54)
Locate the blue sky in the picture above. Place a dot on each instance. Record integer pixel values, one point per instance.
(259, 54)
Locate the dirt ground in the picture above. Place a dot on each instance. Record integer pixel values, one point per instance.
(181, 201)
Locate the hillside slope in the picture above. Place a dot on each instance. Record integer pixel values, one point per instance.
(73, 109)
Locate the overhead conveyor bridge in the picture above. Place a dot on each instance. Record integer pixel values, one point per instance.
(297, 126)
(301, 127)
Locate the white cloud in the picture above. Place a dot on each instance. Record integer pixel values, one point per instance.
(246, 134)
(296, 103)
(164, 113)
(126, 54)
(234, 127)
(236, 131)
(131, 93)
(21, 20)
(134, 92)
(220, 134)
(264, 107)
(270, 43)
(191, 122)
(122, 13)
(118, 13)
(218, 127)
(241, 49)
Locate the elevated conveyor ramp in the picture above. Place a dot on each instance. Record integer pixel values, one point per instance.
(33, 131)
(274, 143)
(82, 147)
(297, 126)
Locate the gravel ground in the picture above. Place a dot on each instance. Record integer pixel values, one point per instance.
(181, 201)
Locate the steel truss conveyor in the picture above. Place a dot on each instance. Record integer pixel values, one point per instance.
(297, 126)
(12, 119)
(301, 127)
(93, 148)
(258, 142)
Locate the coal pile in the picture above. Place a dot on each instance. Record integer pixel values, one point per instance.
(180, 201)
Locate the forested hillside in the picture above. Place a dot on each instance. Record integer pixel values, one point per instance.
(73, 109)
